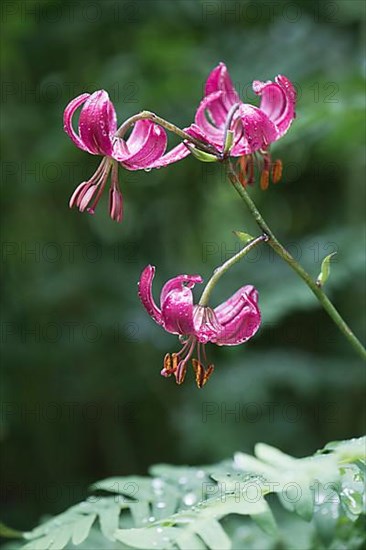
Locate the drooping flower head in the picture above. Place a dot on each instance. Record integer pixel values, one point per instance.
(254, 128)
(229, 324)
(97, 135)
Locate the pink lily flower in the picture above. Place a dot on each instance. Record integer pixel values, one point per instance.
(254, 128)
(97, 128)
(229, 324)
(259, 126)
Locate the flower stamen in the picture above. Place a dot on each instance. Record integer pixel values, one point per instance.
(262, 162)
(277, 171)
(201, 374)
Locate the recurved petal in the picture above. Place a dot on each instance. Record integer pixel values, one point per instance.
(219, 80)
(212, 126)
(209, 104)
(145, 294)
(146, 144)
(177, 283)
(174, 155)
(68, 114)
(98, 123)
(278, 100)
(239, 317)
(176, 301)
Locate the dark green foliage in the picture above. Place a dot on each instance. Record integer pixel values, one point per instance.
(183, 507)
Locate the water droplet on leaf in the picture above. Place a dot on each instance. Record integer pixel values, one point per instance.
(189, 499)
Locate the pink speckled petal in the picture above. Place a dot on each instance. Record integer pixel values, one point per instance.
(138, 136)
(98, 123)
(219, 80)
(174, 155)
(258, 131)
(120, 149)
(239, 317)
(146, 144)
(176, 302)
(145, 294)
(68, 114)
(278, 100)
(213, 130)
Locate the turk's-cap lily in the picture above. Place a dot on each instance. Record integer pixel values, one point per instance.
(231, 323)
(254, 128)
(237, 129)
(97, 135)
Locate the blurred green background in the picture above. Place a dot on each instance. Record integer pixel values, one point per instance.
(81, 390)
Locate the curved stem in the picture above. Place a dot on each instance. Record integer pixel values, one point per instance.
(218, 273)
(148, 115)
(285, 255)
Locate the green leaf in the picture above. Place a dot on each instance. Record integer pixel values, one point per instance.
(189, 507)
(201, 520)
(305, 505)
(109, 520)
(140, 512)
(60, 538)
(325, 520)
(348, 451)
(82, 528)
(9, 532)
(229, 141)
(266, 522)
(201, 155)
(213, 534)
(40, 544)
(325, 270)
(243, 237)
(148, 537)
(185, 539)
(273, 456)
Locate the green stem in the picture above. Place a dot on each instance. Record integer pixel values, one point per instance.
(218, 273)
(148, 115)
(285, 255)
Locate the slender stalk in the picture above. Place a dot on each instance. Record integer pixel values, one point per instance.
(219, 272)
(285, 255)
(148, 115)
(267, 235)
